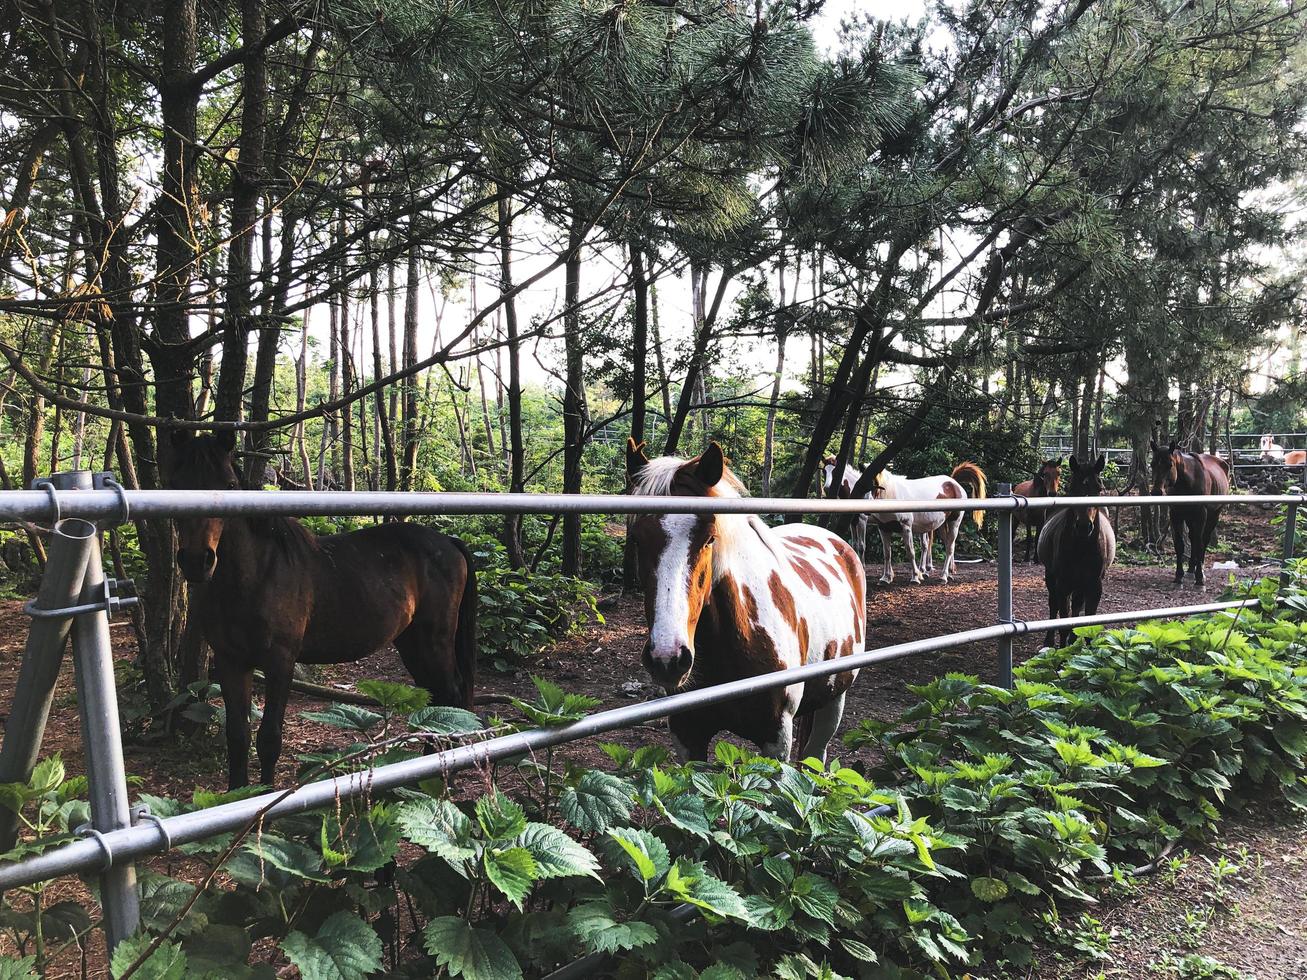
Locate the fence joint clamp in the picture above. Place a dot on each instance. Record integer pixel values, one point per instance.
(142, 814)
(42, 483)
(87, 831)
(106, 481)
(117, 594)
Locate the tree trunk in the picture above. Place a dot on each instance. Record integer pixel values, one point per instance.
(573, 397)
(698, 356)
(410, 383)
(769, 437)
(516, 447)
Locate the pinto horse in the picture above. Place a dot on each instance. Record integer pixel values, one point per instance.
(727, 597)
(1046, 482)
(277, 594)
(966, 480)
(1179, 473)
(1077, 546)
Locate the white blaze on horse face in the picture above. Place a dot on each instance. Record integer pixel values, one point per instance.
(672, 620)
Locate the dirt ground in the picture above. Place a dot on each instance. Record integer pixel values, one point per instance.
(1252, 919)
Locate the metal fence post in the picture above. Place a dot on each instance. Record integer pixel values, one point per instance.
(97, 703)
(1004, 586)
(61, 585)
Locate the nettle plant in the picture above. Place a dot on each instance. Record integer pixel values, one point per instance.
(987, 821)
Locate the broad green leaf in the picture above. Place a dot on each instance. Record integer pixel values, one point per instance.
(290, 856)
(476, 954)
(648, 854)
(859, 951)
(444, 720)
(399, 698)
(17, 969)
(500, 817)
(692, 883)
(168, 962)
(349, 717)
(557, 855)
(47, 776)
(344, 948)
(440, 827)
(989, 889)
(594, 925)
(512, 870)
(599, 800)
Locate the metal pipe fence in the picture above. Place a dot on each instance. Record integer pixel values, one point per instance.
(74, 595)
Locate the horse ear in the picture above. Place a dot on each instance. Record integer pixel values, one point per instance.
(710, 467)
(180, 437)
(1171, 448)
(1102, 462)
(1075, 465)
(226, 439)
(1152, 444)
(636, 460)
(1058, 462)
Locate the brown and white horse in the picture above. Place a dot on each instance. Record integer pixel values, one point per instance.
(966, 480)
(1273, 452)
(1047, 482)
(727, 597)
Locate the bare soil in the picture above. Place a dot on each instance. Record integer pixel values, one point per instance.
(1257, 922)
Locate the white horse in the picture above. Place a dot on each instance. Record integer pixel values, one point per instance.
(1272, 451)
(966, 480)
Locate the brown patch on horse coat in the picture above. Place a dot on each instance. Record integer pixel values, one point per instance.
(812, 578)
(804, 542)
(803, 640)
(950, 491)
(783, 600)
(848, 559)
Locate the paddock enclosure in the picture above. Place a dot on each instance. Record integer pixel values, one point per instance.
(75, 595)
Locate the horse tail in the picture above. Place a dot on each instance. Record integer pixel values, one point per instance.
(972, 478)
(465, 633)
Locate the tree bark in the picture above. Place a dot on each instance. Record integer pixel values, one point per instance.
(573, 397)
(516, 446)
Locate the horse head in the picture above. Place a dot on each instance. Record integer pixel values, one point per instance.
(1166, 466)
(201, 463)
(1049, 476)
(1086, 481)
(674, 554)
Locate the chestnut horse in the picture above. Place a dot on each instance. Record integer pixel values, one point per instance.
(966, 480)
(1077, 546)
(277, 594)
(727, 597)
(1046, 482)
(1179, 473)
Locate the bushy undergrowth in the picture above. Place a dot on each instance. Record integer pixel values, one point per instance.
(987, 818)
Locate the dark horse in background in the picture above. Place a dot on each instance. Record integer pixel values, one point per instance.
(278, 594)
(1077, 546)
(1178, 473)
(1047, 482)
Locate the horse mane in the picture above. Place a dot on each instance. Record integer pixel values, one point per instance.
(657, 478)
(286, 532)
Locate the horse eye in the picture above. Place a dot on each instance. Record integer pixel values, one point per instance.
(711, 539)
(233, 485)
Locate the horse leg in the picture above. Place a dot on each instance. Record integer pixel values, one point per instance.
(906, 530)
(1197, 544)
(951, 528)
(689, 741)
(887, 552)
(1054, 604)
(1064, 612)
(825, 722)
(1177, 536)
(779, 747)
(277, 676)
(236, 682)
(928, 552)
(427, 651)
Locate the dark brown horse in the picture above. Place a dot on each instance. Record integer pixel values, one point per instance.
(1178, 473)
(1047, 482)
(278, 594)
(1077, 546)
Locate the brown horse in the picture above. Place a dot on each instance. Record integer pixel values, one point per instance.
(1179, 473)
(277, 594)
(1046, 482)
(1077, 546)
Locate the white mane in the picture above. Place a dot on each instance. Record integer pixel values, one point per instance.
(655, 479)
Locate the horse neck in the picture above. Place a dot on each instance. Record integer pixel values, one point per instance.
(743, 549)
(244, 546)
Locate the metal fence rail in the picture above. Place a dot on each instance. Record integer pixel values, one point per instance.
(73, 591)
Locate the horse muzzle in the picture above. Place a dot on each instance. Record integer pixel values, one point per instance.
(197, 564)
(668, 669)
